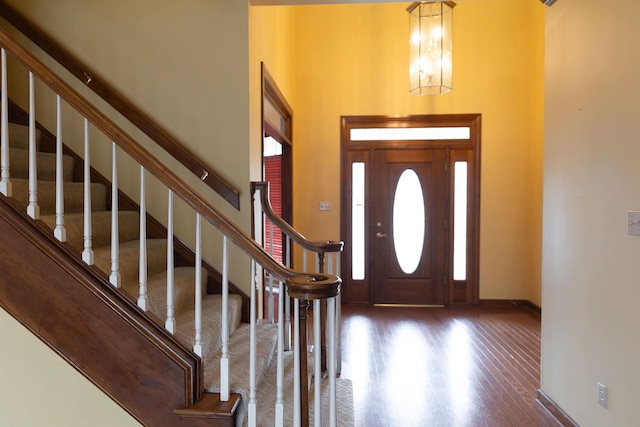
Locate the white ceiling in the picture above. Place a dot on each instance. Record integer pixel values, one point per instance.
(303, 2)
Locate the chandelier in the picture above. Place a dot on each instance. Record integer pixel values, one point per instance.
(431, 47)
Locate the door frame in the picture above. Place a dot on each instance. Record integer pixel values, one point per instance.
(456, 292)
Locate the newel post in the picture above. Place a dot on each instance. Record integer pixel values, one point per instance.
(308, 288)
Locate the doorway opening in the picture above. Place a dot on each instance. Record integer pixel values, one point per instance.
(277, 132)
(410, 209)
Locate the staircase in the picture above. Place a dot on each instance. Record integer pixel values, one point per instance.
(129, 247)
(112, 303)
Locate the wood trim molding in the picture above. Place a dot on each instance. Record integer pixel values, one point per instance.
(562, 417)
(125, 107)
(511, 303)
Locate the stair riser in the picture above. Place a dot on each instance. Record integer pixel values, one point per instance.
(183, 295)
(129, 259)
(19, 136)
(46, 165)
(73, 196)
(128, 227)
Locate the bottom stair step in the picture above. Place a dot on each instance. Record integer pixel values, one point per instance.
(266, 397)
(211, 408)
(266, 379)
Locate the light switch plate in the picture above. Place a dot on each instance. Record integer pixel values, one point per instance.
(325, 206)
(633, 223)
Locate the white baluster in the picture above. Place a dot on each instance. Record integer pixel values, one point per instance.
(279, 421)
(304, 261)
(338, 321)
(115, 277)
(287, 303)
(331, 363)
(317, 263)
(170, 323)
(252, 414)
(197, 347)
(87, 254)
(270, 301)
(317, 362)
(296, 363)
(287, 243)
(60, 232)
(224, 359)
(5, 184)
(33, 210)
(142, 271)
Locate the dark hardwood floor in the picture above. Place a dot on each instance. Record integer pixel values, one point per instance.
(443, 366)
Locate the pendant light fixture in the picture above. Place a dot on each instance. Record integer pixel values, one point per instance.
(431, 47)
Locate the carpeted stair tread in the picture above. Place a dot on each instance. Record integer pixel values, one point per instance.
(73, 196)
(128, 227)
(183, 290)
(266, 339)
(211, 323)
(19, 136)
(46, 165)
(129, 259)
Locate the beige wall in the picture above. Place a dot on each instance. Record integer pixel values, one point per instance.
(38, 388)
(353, 60)
(183, 63)
(590, 265)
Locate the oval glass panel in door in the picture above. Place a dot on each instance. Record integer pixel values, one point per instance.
(408, 221)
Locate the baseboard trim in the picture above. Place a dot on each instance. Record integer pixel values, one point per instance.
(514, 303)
(557, 412)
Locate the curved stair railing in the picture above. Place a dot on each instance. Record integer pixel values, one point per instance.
(113, 97)
(325, 259)
(299, 286)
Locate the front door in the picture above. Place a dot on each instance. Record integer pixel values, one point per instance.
(408, 226)
(410, 209)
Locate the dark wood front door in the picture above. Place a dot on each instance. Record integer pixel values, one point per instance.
(436, 160)
(408, 226)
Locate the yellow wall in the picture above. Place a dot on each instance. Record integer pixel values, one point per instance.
(353, 60)
(270, 42)
(590, 316)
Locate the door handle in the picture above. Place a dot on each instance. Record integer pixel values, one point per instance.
(380, 235)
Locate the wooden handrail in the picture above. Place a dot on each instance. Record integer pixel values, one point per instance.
(318, 247)
(154, 166)
(114, 98)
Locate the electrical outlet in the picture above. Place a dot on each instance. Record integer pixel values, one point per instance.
(633, 223)
(603, 395)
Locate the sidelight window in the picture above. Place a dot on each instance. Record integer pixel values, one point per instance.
(460, 221)
(357, 221)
